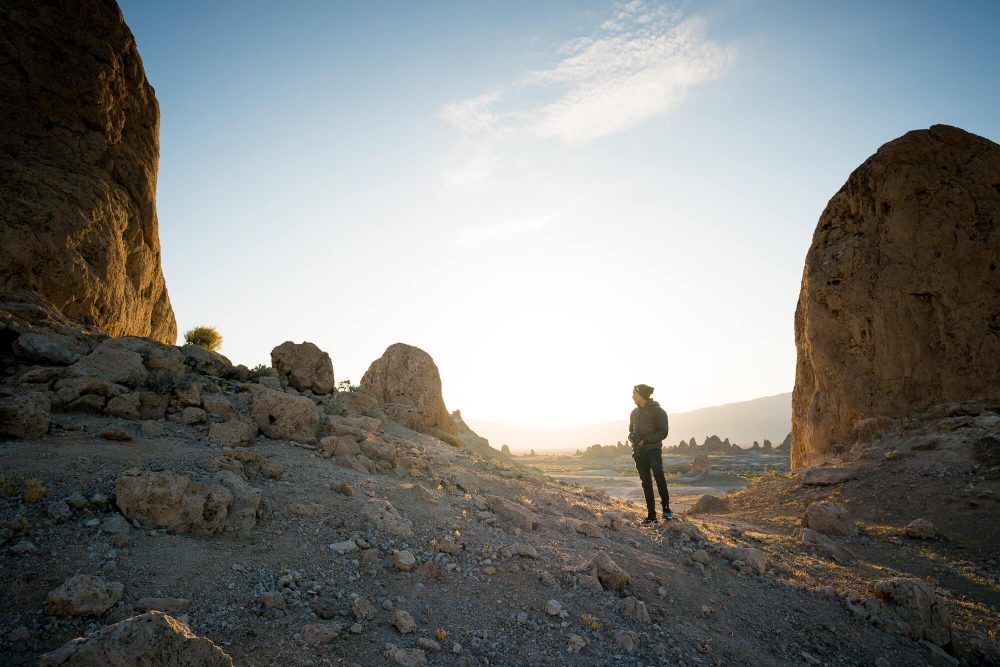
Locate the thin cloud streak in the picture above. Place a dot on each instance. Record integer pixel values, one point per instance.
(638, 65)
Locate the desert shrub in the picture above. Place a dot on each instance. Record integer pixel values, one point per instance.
(441, 635)
(202, 336)
(260, 368)
(890, 455)
(34, 490)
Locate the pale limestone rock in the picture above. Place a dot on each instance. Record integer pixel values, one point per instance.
(829, 518)
(25, 415)
(84, 595)
(403, 621)
(285, 417)
(900, 291)
(153, 638)
(237, 432)
(919, 606)
(178, 503)
(632, 607)
(109, 362)
(406, 658)
(404, 561)
(611, 575)
(304, 367)
(407, 382)
(49, 347)
(827, 546)
(521, 516)
(921, 529)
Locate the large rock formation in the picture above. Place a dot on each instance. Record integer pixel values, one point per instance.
(900, 301)
(406, 380)
(79, 127)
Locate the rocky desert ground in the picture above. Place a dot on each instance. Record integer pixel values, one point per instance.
(160, 505)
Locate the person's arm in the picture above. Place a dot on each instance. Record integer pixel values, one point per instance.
(633, 437)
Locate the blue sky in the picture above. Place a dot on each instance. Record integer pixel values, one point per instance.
(556, 200)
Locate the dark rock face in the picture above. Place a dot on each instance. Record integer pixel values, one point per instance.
(79, 128)
(900, 301)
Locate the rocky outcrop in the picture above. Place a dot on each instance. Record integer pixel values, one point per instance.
(303, 366)
(408, 383)
(84, 595)
(78, 160)
(285, 417)
(154, 638)
(900, 301)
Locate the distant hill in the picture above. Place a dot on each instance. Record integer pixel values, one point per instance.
(768, 417)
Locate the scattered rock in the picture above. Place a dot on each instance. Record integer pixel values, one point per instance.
(918, 606)
(709, 504)
(59, 511)
(830, 519)
(25, 415)
(921, 529)
(321, 633)
(411, 658)
(303, 366)
(612, 576)
(84, 595)
(153, 638)
(23, 548)
(632, 607)
(403, 622)
(701, 556)
(153, 429)
(827, 546)
(828, 476)
(627, 641)
(404, 561)
(553, 607)
(364, 610)
(116, 435)
(521, 516)
(347, 546)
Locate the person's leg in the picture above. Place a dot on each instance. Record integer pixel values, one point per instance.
(642, 465)
(656, 465)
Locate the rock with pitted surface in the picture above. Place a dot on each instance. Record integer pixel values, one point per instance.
(79, 155)
(900, 301)
(84, 595)
(408, 383)
(303, 366)
(154, 638)
(285, 417)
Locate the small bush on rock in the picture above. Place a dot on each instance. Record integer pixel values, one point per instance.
(34, 490)
(202, 336)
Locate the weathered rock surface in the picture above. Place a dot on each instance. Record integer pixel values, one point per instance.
(900, 294)
(919, 606)
(709, 504)
(153, 638)
(829, 519)
(84, 595)
(181, 503)
(408, 383)
(80, 151)
(25, 415)
(521, 516)
(285, 417)
(303, 366)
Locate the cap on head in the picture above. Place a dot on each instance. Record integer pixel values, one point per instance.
(644, 390)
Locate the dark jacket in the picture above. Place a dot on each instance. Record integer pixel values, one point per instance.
(648, 425)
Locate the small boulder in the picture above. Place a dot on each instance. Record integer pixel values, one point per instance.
(830, 519)
(827, 546)
(918, 606)
(176, 502)
(84, 595)
(403, 622)
(709, 504)
(282, 416)
(521, 516)
(404, 561)
(25, 415)
(411, 658)
(49, 347)
(321, 633)
(303, 366)
(363, 609)
(921, 529)
(553, 607)
(632, 607)
(611, 575)
(153, 638)
(237, 432)
(823, 476)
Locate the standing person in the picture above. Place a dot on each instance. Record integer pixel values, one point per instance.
(647, 427)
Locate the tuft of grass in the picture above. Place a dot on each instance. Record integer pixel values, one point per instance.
(8, 486)
(24, 526)
(204, 336)
(523, 500)
(891, 454)
(441, 635)
(34, 490)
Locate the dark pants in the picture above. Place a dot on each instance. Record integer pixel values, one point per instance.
(649, 463)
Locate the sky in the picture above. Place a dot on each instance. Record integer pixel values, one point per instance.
(556, 200)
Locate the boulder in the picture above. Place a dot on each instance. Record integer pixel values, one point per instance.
(303, 366)
(113, 364)
(125, 406)
(830, 519)
(632, 607)
(918, 606)
(237, 432)
(80, 130)
(355, 403)
(921, 529)
(178, 503)
(84, 595)
(709, 504)
(821, 476)
(700, 465)
(25, 415)
(386, 517)
(49, 347)
(153, 638)
(900, 290)
(827, 546)
(521, 516)
(205, 361)
(285, 417)
(407, 382)
(610, 574)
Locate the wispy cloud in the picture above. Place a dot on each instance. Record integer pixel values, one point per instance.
(638, 64)
(509, 228)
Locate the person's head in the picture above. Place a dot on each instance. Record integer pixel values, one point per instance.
(641, 394)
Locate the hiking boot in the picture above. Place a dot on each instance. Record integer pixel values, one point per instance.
(648, 520)
(667, 515)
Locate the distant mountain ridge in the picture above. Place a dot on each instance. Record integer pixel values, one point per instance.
(743, 422)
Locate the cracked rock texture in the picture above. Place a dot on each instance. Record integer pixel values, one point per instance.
(899, 307)
(407, 381)
(79, 148)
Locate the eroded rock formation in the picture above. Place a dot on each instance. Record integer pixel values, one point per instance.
(408, 383)
(900, 301)
(79, 135)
